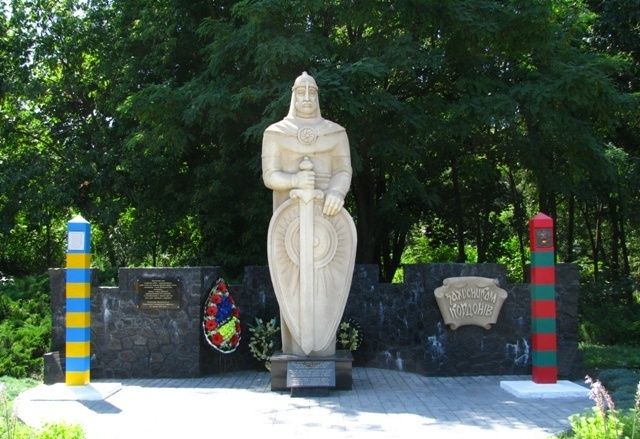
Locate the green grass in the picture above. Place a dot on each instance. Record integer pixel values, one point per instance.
(617, 367)
(15, 386)
(11, 428)
(622, 384)
(610, 357)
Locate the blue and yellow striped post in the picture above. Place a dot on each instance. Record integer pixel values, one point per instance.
(78, 294)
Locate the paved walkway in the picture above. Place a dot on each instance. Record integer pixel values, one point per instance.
(382, 404)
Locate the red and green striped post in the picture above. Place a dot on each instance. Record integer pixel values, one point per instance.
(544, 362)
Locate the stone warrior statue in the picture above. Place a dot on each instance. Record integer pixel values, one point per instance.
(312, 239)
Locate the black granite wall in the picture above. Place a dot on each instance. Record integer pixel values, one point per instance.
(402, 325)
(405, 330)
(130, 342)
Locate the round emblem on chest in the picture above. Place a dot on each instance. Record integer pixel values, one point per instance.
(307, 135)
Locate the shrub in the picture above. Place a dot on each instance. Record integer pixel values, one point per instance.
(610, 357)
(622, 384)
(349, 335)
(25, 331)
(607, 314)
(263, 340)
(605, 421)
(61, 431)
(610, 324)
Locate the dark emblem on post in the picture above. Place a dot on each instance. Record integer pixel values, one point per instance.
(544, 238)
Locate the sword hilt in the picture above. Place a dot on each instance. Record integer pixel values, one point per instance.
(306, 164)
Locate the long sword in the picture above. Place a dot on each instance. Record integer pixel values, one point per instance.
(306, 196)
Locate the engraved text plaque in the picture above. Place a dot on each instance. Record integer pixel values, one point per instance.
(311, 374)
(158, 293)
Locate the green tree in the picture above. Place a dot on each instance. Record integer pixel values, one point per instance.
(148, 118)
(368, 69)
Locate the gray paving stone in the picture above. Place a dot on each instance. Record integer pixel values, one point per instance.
(383, 403)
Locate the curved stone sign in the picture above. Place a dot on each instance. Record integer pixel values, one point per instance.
(470, 300)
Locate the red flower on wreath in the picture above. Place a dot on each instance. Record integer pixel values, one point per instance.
(234, 340)
(238, 328)
(222, 287)
(217, 298)
(235, 312)
(212, 310)
(217, 339)
(211, 325)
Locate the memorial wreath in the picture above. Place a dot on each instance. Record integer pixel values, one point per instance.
(221, 319)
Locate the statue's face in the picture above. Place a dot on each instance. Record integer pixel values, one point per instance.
(306, 101)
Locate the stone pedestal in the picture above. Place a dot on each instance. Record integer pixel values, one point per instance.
(343, 366)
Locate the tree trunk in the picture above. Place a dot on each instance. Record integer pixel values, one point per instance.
(391, 256)
(548, 205)
(519, 222)
(458, 211)
(614, 261)
(598, 233)
(483, 236)
(479, 243)
(598, 251)
(592, 241)
(110, 250)
(48, 244)
(154, 250)
(568, 257)
(626, 268)
(365, 220)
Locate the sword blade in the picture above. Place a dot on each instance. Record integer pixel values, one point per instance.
(307, 298)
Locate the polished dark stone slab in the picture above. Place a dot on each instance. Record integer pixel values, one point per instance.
(312, 373)
(343, 371)
(53, 371)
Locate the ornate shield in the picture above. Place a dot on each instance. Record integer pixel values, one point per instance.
(334, 251)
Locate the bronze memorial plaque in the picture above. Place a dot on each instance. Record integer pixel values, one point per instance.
(158, 293)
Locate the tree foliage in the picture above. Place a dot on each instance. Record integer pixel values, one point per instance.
(464, 119)
(25, 325)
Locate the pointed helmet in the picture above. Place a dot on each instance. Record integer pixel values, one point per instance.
(304, 80)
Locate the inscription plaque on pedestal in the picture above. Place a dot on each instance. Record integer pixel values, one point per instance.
(158, 293)
(311, 374)
(281, 378)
